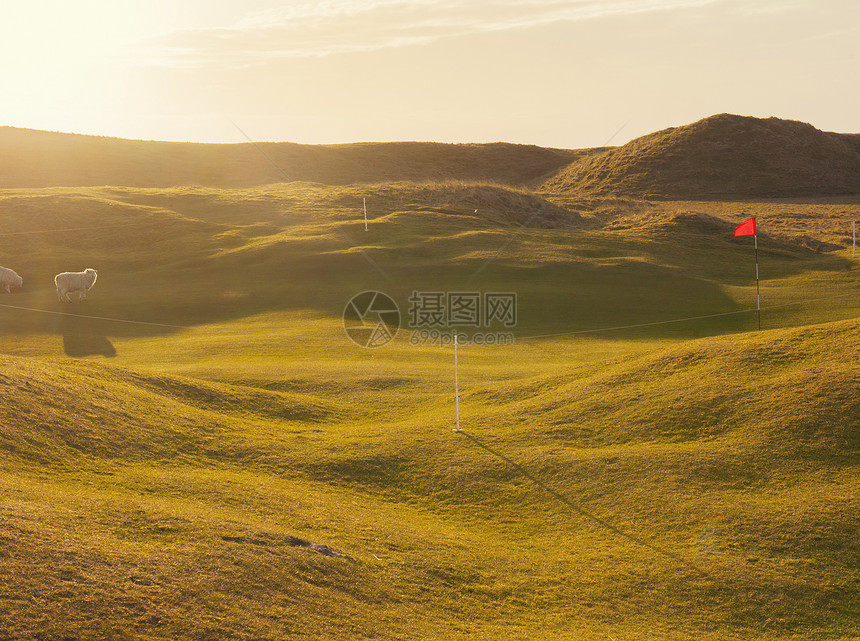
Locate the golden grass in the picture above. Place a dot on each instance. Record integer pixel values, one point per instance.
(682, 480)
(709, 494)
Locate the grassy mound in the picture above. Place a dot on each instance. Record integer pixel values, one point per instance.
(703, 489)
(182, 257)
(199, 450)
(722, 157)
(32, 158)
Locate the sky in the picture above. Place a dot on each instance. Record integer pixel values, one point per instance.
(555, 73)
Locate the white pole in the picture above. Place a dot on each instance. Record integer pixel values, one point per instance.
(365, 213)
(456, 385)
(757, 294)
(854, 236)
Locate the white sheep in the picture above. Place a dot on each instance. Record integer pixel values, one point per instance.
(74, 282)
(10, 279)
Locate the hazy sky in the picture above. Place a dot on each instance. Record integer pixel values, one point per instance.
(559, 73)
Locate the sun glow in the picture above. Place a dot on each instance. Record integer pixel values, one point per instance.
(82, 66)
(442, 70)
(62, 58)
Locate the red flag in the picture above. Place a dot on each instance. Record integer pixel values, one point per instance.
(746, 228)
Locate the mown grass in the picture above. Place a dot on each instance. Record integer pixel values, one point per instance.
(732, 514)
(689, 479)
(285, 240)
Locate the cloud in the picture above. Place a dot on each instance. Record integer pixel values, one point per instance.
(348, 26)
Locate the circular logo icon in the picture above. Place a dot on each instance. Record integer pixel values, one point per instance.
(371, 319)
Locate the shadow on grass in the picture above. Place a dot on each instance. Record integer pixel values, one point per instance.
(84, 337)
(581, 511)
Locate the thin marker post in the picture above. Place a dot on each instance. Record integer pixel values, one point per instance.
(854, 239)
(456, 385)
(365, 213)
(757, 291)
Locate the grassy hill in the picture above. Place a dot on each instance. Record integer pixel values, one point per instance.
(703, 489)
(31, 158)
(187, 256)
(722, 157)
(200, 451)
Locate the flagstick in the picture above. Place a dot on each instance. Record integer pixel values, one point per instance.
(744, 229)
(757, 293)
(456, 385)
(365, 213)
(854, 236)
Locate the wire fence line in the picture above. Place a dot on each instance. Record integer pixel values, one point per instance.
(100, 318)
(73, 229)
(595, 330)
(690, 318)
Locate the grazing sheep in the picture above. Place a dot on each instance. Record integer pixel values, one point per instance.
(74, 282)
(10, 279)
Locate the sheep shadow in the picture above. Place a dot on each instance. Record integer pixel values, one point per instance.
(84, 337)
